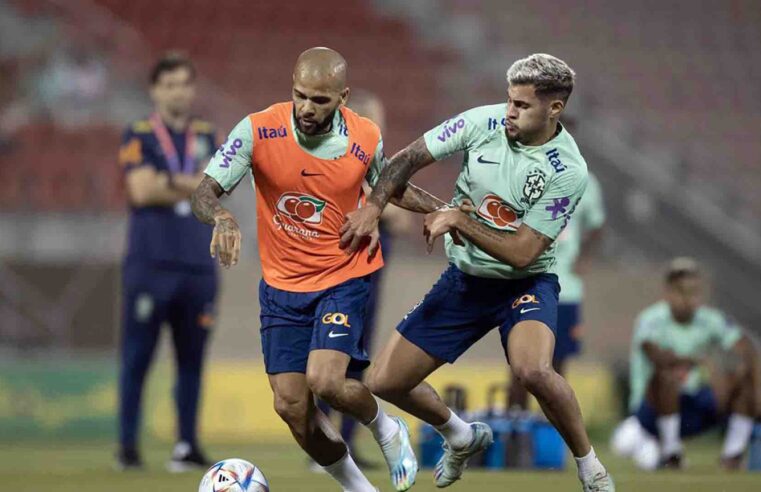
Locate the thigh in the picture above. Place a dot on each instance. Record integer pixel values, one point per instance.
(339, 322)
(530, 344)
(192, 314)
(534, 302)
(287, 323)
(457, 312)
(146, 296)
(402, 365)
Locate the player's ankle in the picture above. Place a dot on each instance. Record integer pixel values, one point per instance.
(456, 432)
(383, 427)
(589, 465)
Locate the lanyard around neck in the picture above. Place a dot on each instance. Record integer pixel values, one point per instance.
(187, 166)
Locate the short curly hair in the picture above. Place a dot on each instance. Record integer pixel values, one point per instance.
(549, 75)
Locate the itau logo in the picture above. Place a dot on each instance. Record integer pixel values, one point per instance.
(301, 208)
(499, 213)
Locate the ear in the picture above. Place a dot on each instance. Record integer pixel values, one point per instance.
(344, 95)
(556, 107)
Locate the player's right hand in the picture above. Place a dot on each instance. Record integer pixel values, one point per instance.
(359, 224)
(225, 240)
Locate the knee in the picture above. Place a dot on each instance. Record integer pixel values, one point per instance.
(292, 409)
(532, 377)
(326, 385)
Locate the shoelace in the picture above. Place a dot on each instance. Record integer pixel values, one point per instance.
(595, 486)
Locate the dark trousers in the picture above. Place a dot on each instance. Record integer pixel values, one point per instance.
(151, 297)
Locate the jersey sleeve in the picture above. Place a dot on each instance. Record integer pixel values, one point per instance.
(376, 166)
(594, 207)
(644, 331)
(131, 152)
(725, 331)
(453, 135)
(553, 209)
(232, 161)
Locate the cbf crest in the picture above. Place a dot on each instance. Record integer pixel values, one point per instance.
(534, 187)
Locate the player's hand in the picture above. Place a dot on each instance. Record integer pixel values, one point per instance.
(359, 224)
(225, 240)
(441, 222)
(467, 206)
(374, 243)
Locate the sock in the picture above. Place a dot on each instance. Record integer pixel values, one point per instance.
(348, 474)
(383, 427)
(668, 432)
(456, 431)
(589, 466)
(739, 430)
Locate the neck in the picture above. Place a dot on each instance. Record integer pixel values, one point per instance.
(175, 121)
(545, 135)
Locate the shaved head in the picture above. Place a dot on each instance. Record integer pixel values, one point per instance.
(321, 66)
(319, 87)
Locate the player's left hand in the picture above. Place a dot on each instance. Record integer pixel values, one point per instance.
(441, 222)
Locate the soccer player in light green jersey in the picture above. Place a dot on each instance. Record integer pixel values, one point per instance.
(519, 184)
(671, 395)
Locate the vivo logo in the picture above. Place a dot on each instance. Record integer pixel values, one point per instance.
(451, 129)
(232, 150)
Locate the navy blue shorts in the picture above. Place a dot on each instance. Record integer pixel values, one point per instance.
(462, 308)
(567, 336)
(698, 412)
(295, 323)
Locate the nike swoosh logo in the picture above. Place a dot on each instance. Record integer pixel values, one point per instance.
(484, 161)
(336, 335)
(305, 173)
(524, 310)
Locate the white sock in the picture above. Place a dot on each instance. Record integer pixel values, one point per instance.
(348, 474)
(739, 430)
(383, 427)
(456, 431)
(589, 466)
(668, 432)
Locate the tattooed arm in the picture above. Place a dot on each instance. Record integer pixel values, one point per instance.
(226, 238)
(518, 249)
(417, 200)
(392, 183)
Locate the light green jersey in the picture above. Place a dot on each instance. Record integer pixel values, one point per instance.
(233, 159)
(510, 184)
(589, 215)
(708, 330)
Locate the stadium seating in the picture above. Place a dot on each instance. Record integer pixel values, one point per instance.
(243, 54)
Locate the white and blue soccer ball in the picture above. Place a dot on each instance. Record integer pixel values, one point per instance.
(234, 475)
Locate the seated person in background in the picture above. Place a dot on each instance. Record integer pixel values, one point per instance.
(671, 397)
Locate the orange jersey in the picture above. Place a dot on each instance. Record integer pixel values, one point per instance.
(301, 201)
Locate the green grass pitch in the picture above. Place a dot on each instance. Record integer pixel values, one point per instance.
(87, 466)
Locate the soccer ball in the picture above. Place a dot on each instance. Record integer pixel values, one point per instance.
(234, 475)
(630, 440)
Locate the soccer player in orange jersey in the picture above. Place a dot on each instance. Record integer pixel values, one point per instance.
(309, 159)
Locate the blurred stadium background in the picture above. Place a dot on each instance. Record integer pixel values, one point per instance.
(668, 103)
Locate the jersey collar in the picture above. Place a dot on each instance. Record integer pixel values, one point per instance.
(310, 142)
